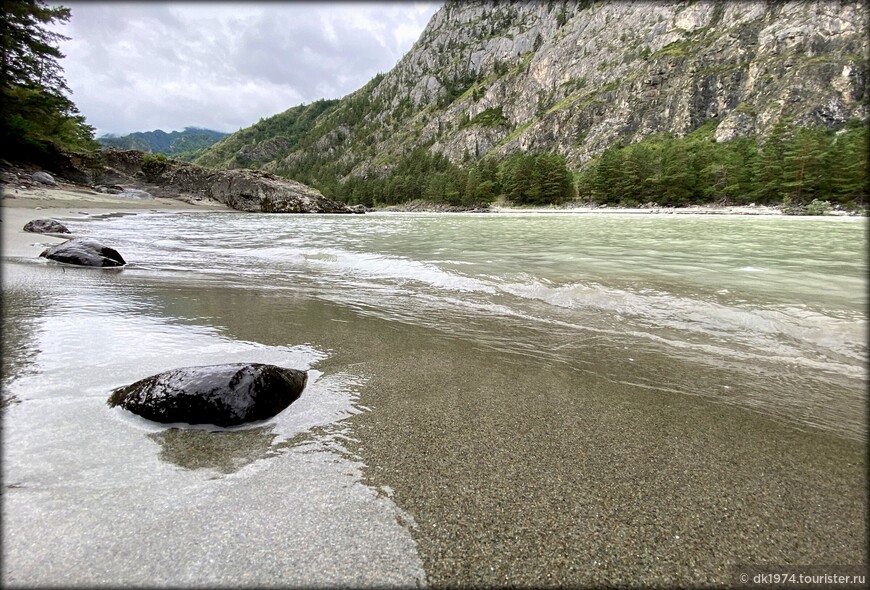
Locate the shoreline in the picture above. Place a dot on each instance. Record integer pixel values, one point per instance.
(715, 210)
(19, 205)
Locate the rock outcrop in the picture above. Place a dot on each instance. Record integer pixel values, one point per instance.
(45, 226)
(244, 190)
(223, 395)
(84, 252)
(41, 177)
(575, 77)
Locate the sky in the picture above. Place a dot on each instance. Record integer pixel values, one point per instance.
(140, 66)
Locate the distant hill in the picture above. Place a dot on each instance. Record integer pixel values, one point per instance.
(181, 145)
(489, 83)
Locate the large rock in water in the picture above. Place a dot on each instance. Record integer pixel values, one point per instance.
(46, 226)
(224, 395)
(84, 252)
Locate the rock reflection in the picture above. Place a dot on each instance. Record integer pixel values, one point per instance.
(225, 451)
(21, 309)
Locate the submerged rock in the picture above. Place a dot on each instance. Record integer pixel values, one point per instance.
(224, 395)
(84, 252)
(46, 226)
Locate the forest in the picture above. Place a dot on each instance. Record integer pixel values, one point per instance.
(793, 167)
(38, 117)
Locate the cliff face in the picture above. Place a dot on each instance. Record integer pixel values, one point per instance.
(576, 77)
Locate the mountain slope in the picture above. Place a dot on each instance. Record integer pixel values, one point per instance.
(575, 78)
(178, 144)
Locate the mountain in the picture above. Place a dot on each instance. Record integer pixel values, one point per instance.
(574, 78)
(181, 145)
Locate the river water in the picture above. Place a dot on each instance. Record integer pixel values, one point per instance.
(493, 398)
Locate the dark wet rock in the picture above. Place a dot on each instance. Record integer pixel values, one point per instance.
(223, 395)
(84, 252)
(46, 226)
(43, 178)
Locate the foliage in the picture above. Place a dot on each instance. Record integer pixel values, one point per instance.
(293, 125)
(801, 165)
(150, 159)
(37, 112)
(492, 117)
(536, 179)
(525, 179)
(178, 144)
(815, 207)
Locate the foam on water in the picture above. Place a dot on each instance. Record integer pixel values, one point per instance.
(669, 286)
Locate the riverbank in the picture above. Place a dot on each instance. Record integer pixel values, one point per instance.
(691, 210)
(494, 400)
(19, 205)
(752, 209)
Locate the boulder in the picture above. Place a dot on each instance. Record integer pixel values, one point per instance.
(43, 178)
(46, 226)
(357, 208)
(223, 395)
(134, 193)
(84, 252)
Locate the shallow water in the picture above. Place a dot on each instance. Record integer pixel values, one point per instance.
(441, 347)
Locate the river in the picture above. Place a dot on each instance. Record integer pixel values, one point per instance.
(508, 398)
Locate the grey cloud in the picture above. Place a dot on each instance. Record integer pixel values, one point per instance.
(139, 66)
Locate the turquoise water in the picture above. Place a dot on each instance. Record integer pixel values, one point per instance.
(778, 304)
(767, 315)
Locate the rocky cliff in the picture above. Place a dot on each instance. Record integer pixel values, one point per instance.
(575, 77)
(244, 190)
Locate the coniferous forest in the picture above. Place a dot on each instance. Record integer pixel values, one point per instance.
(793, 167)
(38, 116)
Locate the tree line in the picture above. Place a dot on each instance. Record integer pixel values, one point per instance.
(37, 114)
(793, 166)
(524, 179)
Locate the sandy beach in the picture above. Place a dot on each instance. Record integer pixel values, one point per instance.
(533, 447)
(67, 201)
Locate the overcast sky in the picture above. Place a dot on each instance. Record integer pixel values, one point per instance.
(140, 66)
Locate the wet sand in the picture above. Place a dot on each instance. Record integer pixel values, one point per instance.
(516, 471)
(20, 205)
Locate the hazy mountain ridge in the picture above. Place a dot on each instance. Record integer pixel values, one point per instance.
(575, 78)
(191, 141)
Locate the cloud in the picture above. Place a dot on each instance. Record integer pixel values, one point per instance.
(140, 66)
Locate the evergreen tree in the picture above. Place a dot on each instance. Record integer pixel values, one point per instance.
(846, 162)
(769, 176)
(36, 110)
(608, 176)
(676, 178)
(802, 165)
(553, 180)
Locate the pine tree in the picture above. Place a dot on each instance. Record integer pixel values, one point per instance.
(846, 161)
(802, 165)
(32, 88)
(676, 177)
(769, 175)
(608, 176)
